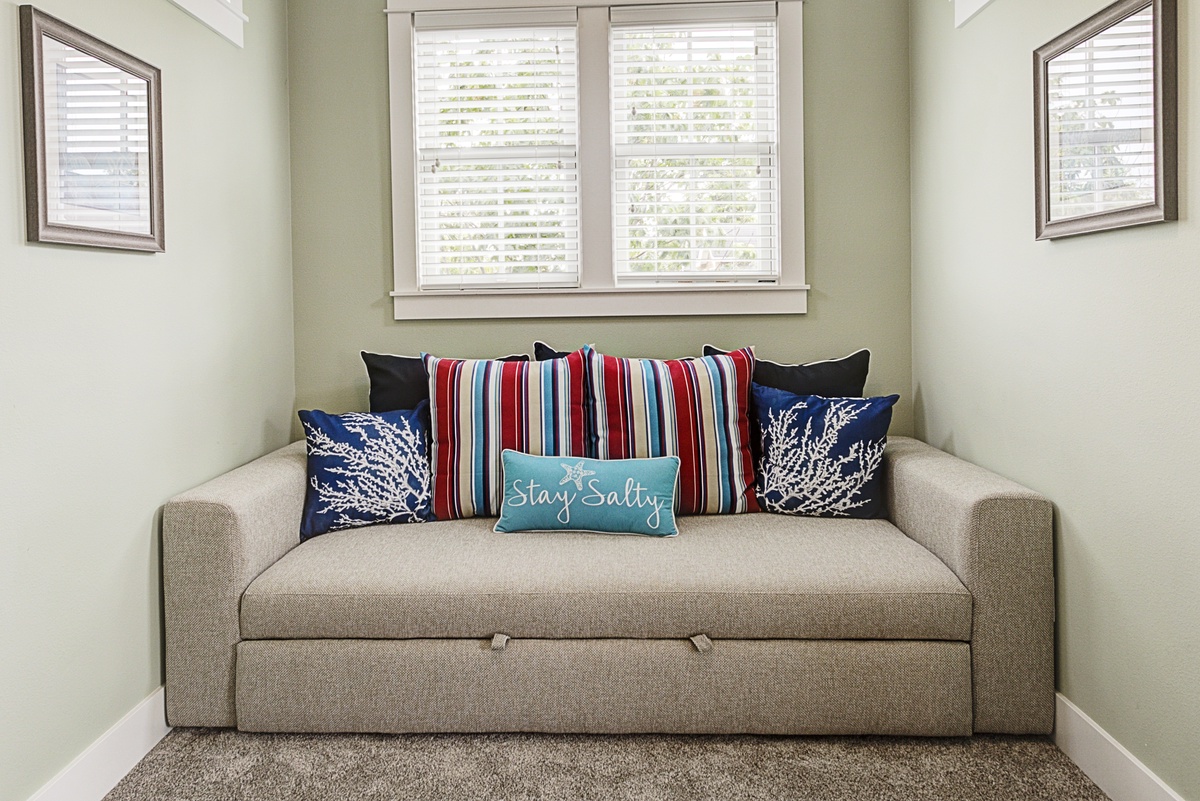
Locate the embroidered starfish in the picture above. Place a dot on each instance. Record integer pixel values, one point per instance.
(576, 473)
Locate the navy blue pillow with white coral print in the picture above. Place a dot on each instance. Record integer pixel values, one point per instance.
(366, 468)
(822, 457)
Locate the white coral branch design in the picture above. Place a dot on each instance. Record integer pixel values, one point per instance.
(384, 476)
(802, 474)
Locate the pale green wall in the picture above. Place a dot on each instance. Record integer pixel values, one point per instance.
(1070, 366)
(856, 142)
(125, 377)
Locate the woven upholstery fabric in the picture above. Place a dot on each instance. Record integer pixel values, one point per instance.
(997, 537)
(994, 535)
(763, 687)
(696, 409)
(480, 407)
(742, 577)
(216, 539)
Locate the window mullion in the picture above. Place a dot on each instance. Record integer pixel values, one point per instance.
(595, 144)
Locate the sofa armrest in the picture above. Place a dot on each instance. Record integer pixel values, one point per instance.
(997, 537)
(216, 539)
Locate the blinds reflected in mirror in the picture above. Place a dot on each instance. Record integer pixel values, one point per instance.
(1100, 121)
(97, 142)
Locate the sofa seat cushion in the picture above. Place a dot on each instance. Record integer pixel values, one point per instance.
(756, 576)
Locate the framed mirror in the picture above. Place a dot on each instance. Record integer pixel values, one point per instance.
(93, 139)
(1105, 137)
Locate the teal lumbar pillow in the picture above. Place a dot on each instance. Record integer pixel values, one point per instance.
(567, 493)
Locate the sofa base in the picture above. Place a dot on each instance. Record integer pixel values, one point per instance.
(895, 687)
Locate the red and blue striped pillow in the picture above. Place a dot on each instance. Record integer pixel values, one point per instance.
(696, 409)
(480, 407)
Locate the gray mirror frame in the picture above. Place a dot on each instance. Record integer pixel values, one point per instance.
(1166, 139)
(34, 25)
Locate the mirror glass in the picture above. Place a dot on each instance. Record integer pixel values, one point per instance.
(1100, 120)
(97, 142)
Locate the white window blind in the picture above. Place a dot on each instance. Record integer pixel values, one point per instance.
(1101, 121)
(695, 134)
(497, 148)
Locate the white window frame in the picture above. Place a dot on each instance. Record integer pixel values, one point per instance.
(598, 295)
(223, 16)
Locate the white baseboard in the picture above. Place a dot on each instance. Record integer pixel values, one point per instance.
(1120, 774)
(103, 763)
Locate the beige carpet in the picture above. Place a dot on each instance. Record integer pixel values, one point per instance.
(223, 765)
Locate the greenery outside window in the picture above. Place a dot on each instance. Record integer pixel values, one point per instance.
(694, 144)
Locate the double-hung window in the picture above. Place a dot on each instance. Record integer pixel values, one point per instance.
(607, 160)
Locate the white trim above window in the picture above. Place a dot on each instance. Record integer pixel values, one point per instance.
(409, 6)
(965, 10)
(744, 255)
(223, 16)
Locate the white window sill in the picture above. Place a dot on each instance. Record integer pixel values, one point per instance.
(641, 302)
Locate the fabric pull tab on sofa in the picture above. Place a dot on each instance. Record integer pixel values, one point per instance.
(499, 642)
(702, 643)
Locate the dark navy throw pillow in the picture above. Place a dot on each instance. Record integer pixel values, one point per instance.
(366, 468)
(543, 352)
(400, 382)
(822, 457)
(830, 378)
